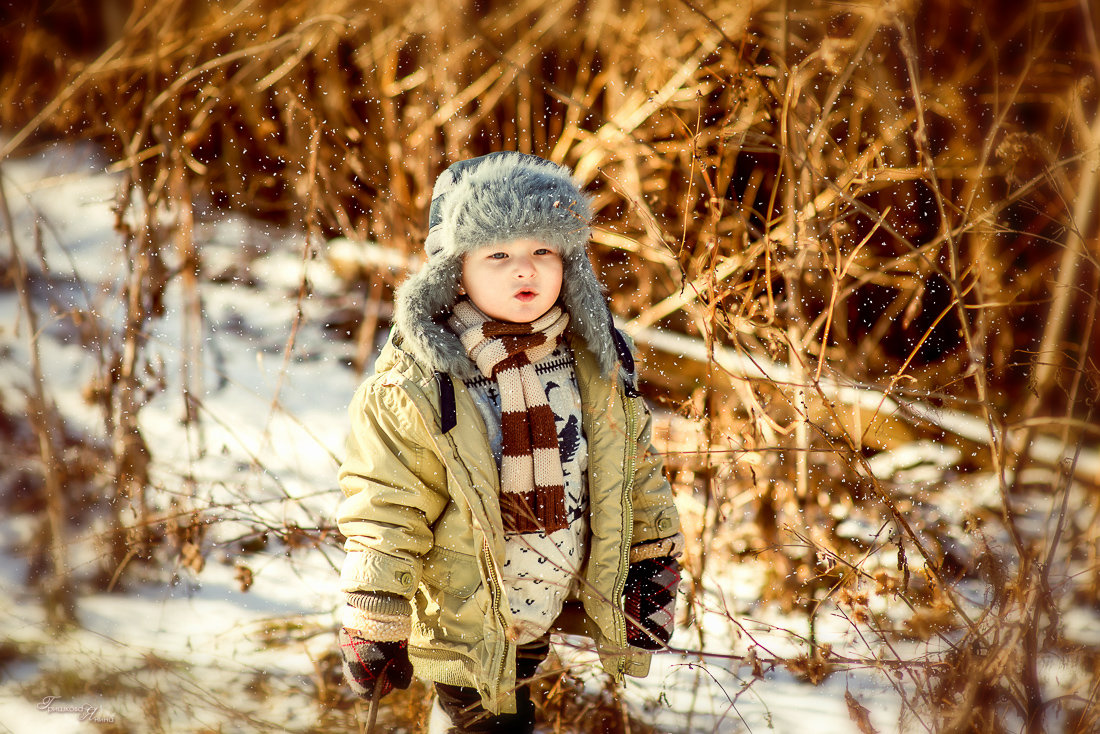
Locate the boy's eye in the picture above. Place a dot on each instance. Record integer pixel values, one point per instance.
(499, 255)
(544, 251)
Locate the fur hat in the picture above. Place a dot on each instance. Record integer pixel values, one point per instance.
(498, 198)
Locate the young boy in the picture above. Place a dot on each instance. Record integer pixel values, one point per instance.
(499, 478)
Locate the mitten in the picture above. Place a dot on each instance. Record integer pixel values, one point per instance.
(366, 661)
(374, 642)
(649, 600)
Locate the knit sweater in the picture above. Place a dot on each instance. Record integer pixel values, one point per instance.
(540, 570)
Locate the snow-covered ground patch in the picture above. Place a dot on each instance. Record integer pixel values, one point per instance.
(236, 631)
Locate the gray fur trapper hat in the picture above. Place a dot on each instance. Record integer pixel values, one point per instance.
(495, 198)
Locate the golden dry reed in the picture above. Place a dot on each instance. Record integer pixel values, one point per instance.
(837, 230)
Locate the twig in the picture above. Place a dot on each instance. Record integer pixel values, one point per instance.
(1048, 357)
(691, 291)
(1044, 449)
(41, 411)
(372, 708)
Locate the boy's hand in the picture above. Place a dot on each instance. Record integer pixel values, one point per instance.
(365, 661)
(649, 600)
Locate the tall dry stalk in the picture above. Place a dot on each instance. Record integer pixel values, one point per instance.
(141, 294)
(55, 581)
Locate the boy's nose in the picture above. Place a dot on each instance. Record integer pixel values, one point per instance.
(524, 267)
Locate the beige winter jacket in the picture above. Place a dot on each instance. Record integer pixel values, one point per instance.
(422, 520)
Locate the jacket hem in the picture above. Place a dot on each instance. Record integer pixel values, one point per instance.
(430, 665)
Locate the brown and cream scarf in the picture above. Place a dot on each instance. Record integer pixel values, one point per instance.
(532, 488)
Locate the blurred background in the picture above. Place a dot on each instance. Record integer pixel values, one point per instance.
(855, 242)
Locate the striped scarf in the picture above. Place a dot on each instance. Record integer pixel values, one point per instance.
(532, 494)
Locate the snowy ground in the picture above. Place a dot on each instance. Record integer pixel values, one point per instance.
(194, 651)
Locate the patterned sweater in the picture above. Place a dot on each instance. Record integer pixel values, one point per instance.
(541, 570)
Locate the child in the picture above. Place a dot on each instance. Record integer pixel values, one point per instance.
(499, 478)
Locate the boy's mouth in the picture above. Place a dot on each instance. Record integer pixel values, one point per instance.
(526, 294)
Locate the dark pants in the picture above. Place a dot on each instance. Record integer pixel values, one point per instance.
(468, 716)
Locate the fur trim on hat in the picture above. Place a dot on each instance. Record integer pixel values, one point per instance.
(498, 198)
(505, 196)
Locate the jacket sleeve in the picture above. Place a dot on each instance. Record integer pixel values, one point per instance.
(655, 516)
(394, 486)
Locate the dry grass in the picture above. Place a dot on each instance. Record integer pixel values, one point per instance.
(893, 197)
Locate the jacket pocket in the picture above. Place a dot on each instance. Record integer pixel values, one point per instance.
(450, 571)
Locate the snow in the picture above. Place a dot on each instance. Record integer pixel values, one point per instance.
(268, 448)
(197, 645)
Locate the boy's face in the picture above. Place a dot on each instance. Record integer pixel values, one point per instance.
(515, 281)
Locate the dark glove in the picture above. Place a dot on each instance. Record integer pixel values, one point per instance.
(649, 600)
(365, 661)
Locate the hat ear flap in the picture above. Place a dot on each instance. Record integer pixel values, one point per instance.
(421, 304)
(587, 305)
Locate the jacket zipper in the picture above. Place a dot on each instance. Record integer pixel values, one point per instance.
(628, 507)
(498, 585)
